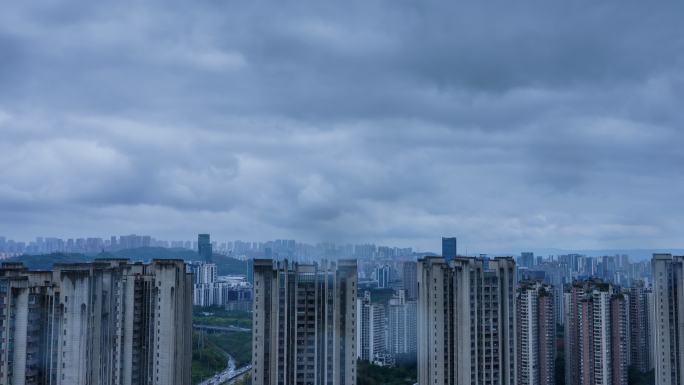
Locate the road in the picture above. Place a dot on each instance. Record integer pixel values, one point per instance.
(228, 375)
(221, 328)
(238, 374)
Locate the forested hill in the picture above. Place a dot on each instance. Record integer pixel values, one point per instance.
(226, 265)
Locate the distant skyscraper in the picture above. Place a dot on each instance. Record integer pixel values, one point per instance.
(466, 322)
(410, 279)
(527, 259)
(204, 248)
(640, 327)
(449, 248)
(107, 322)
(304, 323)
(371, 328)
(596, 334)
(383, 276)
(402, 327)
(536, 334)
(668, 294)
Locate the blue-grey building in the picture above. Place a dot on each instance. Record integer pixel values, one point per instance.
(449, 248)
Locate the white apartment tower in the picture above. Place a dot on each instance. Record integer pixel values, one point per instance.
(304, 323)
(371, 327)
(668, 310)
(466, 321)
(536, 334)
(402, 326)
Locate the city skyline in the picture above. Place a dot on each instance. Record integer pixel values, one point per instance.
(94, 244)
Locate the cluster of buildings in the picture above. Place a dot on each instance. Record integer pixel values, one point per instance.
(243, 250)
(471, 320)
(386, 331)
(461, 320)
(209, 289)
(106, 322)
(229, 292)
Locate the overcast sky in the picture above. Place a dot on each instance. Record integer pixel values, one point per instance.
(511, 126)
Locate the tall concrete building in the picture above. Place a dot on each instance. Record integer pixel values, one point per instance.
(466, 321)
(204, 248)
(383, 276)
(536, 334)
(596, 334)
(449, 248)
(108, 322)
(668, 309)
(401, 326)
(526, 259)
(410, 279)
(304, 323)
(371, 330)
(640, 327)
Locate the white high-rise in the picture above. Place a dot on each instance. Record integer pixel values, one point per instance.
(536, 334)
(402, 326)
(371, 328)
(668, 310)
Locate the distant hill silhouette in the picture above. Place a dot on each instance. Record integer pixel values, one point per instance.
(226, 265)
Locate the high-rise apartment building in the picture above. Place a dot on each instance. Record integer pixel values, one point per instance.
(536, 334)
(204, 247)
(410, 279)
(383, 276)
(207, 291)
(107, 322)
(466, 321)
(449, 248)
(640, 327)
(596, 334)
(668, 310)
(401, 325)
(304, 323)
(204, 272)
(371, 328)
(526, 259)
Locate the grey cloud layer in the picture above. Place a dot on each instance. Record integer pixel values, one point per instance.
(512, 126)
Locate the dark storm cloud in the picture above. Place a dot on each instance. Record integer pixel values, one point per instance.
(509, 125)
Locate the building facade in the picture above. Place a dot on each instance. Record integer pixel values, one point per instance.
(536, 334)
(371, 330)
(304, 323)
(668, 310)
(401, 326)
(410, 280)
(108, 322)
(597, 344)
(466, 321)
(449, 248)
(383, 274)
(526, 259)
(204, 247)
(640, 327)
